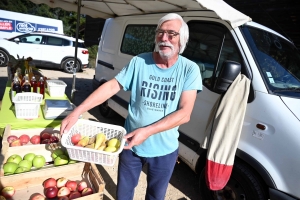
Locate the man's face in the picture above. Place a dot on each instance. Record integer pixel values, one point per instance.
(167, 38)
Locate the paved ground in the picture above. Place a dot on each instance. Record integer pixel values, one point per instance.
(184, 182)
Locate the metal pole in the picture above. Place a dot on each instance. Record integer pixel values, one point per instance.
(76, 46)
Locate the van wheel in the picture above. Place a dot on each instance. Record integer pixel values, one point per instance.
(68, 65)
(243, 184)
(3, 58)
(106, 111)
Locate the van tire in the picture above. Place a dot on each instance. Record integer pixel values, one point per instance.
(106, 111)
(68, 64)
(3, 58)
(243, 184)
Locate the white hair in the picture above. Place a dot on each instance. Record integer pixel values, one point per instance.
(183, 32)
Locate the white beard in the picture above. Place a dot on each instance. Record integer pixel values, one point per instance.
(165, 55)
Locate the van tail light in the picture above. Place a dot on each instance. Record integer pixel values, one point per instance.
(85, 52)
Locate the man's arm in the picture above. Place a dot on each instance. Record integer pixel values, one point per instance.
(100, 95)
(181, 116)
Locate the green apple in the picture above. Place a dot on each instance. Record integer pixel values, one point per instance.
(29, 156)
(21, 170)
(9, 168)
(61, 160)
(56, 153)
(72, 161)
(25, 163)
(38, 161)
(14, 158)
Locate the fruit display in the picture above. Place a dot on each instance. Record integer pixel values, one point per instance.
(24, 139)
(61, 157)
(7, 192)
(15, 164)
(97, 142)
(63, 188)
(64, 182)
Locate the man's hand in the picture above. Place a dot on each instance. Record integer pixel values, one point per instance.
(68, 122)
(135, 138)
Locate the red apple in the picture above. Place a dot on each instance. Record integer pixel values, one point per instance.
(8, 192)
(36, 139)
(72, 185)
(61, 182)
(75, 138)
(24, 139)
(54, 139)
(15, 143)
(11, 138)
(37, 196)
(50, 182)
(86, 191)
(51, 192)
(45, 135)
(81, 186)
(63, 198)
(74, 195)
(63, 191)
(45, 141)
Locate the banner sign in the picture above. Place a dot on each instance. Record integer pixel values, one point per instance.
(9, 25)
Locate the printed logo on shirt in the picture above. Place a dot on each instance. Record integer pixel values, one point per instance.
(158, 89)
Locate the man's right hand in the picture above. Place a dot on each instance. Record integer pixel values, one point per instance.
(68, 122)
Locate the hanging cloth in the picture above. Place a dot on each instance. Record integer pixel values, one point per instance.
(223, 132)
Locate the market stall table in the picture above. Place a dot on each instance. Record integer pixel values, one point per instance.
(7, 114)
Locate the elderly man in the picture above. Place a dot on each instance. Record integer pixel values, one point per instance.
(162, 77)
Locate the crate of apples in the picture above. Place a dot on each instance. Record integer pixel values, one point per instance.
(80, 181)
(24, 137)
(63, 188)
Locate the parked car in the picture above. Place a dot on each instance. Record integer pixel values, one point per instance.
(267, 162)
(46, 49)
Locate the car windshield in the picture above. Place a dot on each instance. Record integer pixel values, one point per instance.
(278, 60)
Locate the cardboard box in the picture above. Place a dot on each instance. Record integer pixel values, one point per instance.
(27, 184)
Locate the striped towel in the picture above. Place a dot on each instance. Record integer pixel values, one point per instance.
(223, 132)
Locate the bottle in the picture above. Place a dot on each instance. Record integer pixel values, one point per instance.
(26, 86)
(41, 86)
(24, 79)
(16, 87)
(33, 83)
(30, 73)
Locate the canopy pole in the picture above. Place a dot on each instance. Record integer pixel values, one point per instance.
(76, 46)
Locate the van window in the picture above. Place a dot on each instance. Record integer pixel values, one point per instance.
(209, 45)
(138, 39)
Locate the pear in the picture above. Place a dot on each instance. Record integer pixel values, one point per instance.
(102, 147)
(92, 140)
(83, 142)
(100, 137)
(90, 146)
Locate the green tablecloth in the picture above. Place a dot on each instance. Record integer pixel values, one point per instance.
(7, 114)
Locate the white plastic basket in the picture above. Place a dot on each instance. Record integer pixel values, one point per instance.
(91, 128)
(56, 88)
(27, 105)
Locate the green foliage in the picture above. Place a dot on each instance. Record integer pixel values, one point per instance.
(69, 19)
(93, 50)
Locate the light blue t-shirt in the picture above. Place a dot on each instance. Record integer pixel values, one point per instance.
(155, 93)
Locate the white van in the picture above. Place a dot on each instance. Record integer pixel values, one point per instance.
(267, 161)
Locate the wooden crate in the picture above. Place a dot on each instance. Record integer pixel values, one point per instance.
(27, 184)
(41, 149)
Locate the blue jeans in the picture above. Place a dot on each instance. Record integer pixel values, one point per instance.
(159, 172)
